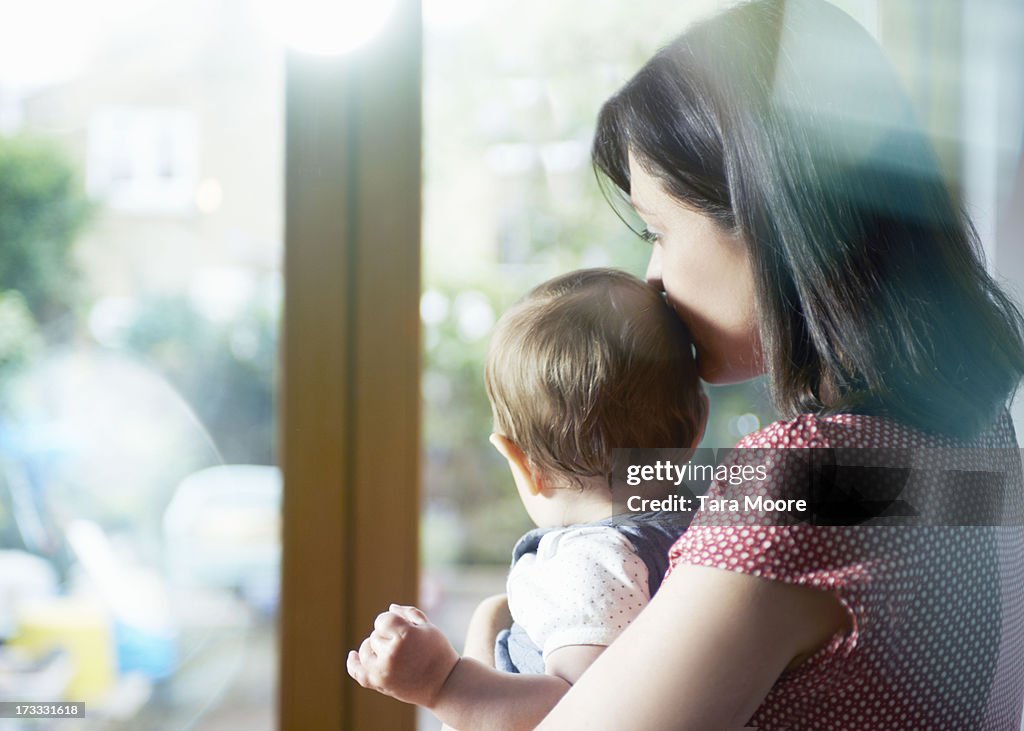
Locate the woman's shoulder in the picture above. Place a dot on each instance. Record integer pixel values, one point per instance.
(804, 430)
(838, 430)
(832, 430)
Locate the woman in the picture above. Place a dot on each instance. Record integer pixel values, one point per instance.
(800, 227)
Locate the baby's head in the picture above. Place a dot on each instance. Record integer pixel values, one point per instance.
(588, 362)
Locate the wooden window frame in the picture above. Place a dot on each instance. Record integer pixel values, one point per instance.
(350, 396)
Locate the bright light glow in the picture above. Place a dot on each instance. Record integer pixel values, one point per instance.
(474, 315)
(452, 13)
(110, 318)
(45, 41)
(221, 293)
(209, 195)
(744, 424)
(52, 41)
(433, 307)
(326, 27)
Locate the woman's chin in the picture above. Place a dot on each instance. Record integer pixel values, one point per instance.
(719, 373)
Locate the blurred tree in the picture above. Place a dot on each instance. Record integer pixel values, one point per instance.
(19, 335)
(42, 210)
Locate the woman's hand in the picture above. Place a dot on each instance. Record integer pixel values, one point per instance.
(405, 657)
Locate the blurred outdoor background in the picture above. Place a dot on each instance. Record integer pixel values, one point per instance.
(141, 220)
(141, 210)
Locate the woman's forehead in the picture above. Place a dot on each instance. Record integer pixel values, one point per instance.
(644, 188)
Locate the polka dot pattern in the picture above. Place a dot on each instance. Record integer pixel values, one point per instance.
(937, 612)
(583, 586)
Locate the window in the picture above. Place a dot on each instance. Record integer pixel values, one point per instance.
(140, 291)
(144, 161)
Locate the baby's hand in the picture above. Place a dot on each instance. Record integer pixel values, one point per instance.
(405, 657)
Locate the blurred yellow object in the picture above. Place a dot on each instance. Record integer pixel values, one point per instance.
(81, 627)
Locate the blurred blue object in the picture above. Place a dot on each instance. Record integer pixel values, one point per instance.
(143, 650)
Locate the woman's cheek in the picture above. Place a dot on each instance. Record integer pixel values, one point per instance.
(705, 335)
(724, 331)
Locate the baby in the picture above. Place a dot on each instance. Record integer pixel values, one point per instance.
(587, 362)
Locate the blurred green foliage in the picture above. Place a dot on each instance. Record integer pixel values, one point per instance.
(20, 340)
(42, 210)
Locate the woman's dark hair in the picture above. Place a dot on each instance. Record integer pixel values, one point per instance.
(784, 123)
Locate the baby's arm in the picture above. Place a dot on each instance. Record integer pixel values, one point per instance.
(489, 618)
(410, 659)
(578, 594)
(492, 615)
(569, 662)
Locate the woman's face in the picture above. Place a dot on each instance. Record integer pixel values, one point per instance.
(707, 277)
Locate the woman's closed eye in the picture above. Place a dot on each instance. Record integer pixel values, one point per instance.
(651, 237)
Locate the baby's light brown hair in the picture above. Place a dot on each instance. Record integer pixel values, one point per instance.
(587, 362)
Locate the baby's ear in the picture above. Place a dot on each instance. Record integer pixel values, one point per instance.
(505, 446)
(511, 451)
(517, 462)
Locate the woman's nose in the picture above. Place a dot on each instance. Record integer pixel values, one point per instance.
(653, 275)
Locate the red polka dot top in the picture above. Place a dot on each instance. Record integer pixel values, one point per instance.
(937, 611)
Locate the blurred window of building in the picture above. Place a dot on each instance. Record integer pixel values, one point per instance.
(144, 161)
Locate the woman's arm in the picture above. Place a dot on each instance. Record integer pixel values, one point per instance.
(702, 655)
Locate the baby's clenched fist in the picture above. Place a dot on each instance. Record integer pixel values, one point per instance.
(405, 657)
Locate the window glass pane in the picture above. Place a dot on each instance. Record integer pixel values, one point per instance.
(140, 239)
(511, 94)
